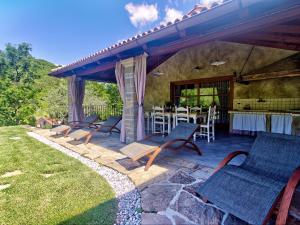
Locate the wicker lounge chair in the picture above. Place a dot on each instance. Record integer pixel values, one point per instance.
(65, 129)
(179, 137)
(108, 126)
(252, 190)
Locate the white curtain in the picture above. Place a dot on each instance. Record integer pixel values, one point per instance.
(140, 83)
(76, 92)
(119, 72)
(281, 124)
(249, 122)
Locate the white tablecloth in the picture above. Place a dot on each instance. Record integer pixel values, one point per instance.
(281, 124)
(249, 122)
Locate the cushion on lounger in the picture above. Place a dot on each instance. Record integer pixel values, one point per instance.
(137, 150)
(60, 129)
(112, 121)
(182, 131)
(249, 191)
(90, 119)
(81, 133)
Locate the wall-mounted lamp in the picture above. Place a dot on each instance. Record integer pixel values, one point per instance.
(218, 61)
(157, 73)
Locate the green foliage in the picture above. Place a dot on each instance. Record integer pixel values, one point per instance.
(108, 93)
(53, 187)
(18, 94)
(27, 91)
(53, 92)
(17, 104)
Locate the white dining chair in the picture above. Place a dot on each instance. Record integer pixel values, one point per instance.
(158, 120)
(208, 129)
(196, 109)
(195, 113)
(181, 115)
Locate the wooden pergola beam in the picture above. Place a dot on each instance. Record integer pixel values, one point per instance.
(286, 29)
(232, 31)
(293, 47)
(111, 65)
(271, 75)
(96, 69)
(282, 38)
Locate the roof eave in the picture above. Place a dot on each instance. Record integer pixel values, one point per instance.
(161, 32)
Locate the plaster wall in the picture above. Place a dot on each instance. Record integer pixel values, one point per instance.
(180, 67)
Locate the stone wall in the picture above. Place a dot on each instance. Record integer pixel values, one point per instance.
(130, 104)
(180, 67)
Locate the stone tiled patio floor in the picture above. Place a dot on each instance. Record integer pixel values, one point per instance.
(168, 187)
(104, 149)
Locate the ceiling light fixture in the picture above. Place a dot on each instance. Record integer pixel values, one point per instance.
(158, 72)
(218, 61)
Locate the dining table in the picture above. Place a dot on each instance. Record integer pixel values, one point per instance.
(171, 120)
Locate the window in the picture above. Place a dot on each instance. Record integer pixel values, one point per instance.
(204, 92)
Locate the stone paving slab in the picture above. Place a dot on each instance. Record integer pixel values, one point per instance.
(168, 188)
(192, 189)
(181, 177)
(196, 210)
(104, 149)
(157, 197)
(201, 174)
(154, 175)
(155, 219)
(180, 221)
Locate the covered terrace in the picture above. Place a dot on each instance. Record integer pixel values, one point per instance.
(257, 23)
(252, 39)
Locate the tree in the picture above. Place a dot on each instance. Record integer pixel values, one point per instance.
(27, 91)
(18, 95)
(109, 93)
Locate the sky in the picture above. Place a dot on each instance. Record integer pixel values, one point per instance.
(62, 31)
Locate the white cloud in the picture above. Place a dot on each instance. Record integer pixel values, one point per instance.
(177, 3)
(171, 15)
(141, 14)
(207, 2)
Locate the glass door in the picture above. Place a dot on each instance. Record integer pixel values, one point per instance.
(204, 93)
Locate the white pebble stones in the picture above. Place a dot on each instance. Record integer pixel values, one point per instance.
(129, 199)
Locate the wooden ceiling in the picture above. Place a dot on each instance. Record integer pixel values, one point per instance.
(283, 35)
(273, 24)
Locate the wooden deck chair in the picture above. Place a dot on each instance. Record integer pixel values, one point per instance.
(179, 137)
(65, 129)
(108, 126)
(268, 177)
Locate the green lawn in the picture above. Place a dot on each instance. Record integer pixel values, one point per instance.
(52, 187)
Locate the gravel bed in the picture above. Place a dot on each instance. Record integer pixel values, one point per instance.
(129, 199)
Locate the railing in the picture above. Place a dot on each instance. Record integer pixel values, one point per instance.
(103, 111)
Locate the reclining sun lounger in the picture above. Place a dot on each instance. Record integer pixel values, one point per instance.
(108, 126)
(65, 129)
(252, 190)
(179, 137)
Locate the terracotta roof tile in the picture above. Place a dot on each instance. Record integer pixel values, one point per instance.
(195, 11)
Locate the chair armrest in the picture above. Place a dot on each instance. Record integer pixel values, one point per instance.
(226, 160)
(287, 197)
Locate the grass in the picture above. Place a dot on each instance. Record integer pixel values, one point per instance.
(52, 189)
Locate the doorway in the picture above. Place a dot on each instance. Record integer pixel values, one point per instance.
(204, 93)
